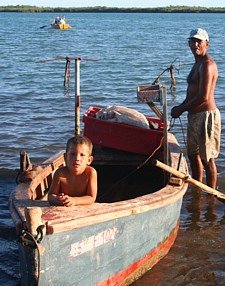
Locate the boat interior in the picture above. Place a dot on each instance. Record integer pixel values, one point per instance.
(119, 183)
(121, 176)
(124, 175)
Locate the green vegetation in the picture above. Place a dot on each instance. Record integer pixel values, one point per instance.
(102, 9)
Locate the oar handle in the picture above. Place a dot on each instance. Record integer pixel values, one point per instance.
(188, 179)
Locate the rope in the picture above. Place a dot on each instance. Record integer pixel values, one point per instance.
(140, 166)
(169, 69)
(172, 123)
(67, 76)
(182, 128)
(32, 238)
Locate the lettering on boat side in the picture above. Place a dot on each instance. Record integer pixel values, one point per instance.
(93, 241)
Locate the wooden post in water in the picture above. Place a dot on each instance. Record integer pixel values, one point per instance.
(77, 96)
(23, 163)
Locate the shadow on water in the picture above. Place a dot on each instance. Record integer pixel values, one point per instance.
(9, 256)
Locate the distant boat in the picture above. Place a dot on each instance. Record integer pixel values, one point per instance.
(60, 23)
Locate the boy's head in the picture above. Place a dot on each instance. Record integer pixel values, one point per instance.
(78, 154)
(79, 140)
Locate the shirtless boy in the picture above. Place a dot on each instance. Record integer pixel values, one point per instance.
(76, 183)
(204, 122)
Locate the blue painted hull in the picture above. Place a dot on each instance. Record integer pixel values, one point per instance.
(134, 237)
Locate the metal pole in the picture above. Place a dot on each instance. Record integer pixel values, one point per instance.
(77, 96)
(165, 123)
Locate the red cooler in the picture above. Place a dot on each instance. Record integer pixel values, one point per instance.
(121, 136)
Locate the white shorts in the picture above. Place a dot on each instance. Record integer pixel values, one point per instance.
(203, 134)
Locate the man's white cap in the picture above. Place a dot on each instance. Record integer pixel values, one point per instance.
(200, 34)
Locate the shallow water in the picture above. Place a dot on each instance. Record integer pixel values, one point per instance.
(37, 113)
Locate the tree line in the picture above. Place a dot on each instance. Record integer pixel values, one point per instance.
(103, 9)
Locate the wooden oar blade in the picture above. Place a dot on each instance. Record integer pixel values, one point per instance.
(187, 178)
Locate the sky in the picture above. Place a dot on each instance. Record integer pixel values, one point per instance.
(114, 3)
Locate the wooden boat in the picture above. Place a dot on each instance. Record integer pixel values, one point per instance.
(60, 23)
(125, 233)
(130, 227)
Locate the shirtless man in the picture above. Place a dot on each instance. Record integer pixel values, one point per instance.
(204, 123)
(76, 183)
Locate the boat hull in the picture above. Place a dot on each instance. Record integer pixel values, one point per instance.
(60, 26)
(115, 252)
(100, 244)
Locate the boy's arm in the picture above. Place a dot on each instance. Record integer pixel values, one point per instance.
(54, 191)
(91, 189)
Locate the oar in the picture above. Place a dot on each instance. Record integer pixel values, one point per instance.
(189, 179)
(155, 109)
(43, 26)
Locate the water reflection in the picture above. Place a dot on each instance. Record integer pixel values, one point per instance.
(202, 209)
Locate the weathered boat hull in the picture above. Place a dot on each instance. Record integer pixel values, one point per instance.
(111, 253)
(101, 244)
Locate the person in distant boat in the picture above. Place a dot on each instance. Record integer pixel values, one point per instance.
(204, 121)
(57, 20)
(76, 183)
(62, 21)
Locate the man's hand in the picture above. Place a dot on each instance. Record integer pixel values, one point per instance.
(176, 111)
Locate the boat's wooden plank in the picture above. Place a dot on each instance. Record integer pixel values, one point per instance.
(103, 156)
(57, 158)
(61, 218)
(107, 156)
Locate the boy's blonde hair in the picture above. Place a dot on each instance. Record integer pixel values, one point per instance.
(79, 140)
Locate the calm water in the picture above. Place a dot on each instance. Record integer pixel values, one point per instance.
(37, 114)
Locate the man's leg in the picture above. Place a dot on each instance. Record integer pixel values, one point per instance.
(211, 173)
(196, 167)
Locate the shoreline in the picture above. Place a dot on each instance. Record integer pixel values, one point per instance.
(104, 9)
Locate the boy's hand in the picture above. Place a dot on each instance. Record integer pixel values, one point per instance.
(67, 200)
